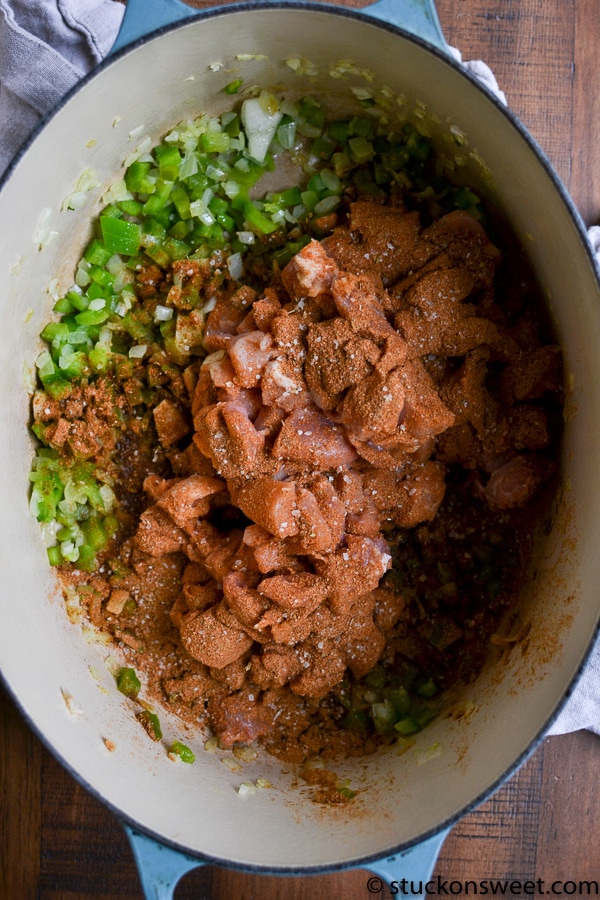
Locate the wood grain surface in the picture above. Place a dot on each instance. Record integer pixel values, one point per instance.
(59, 843)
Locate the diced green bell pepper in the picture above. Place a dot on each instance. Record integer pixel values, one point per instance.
(120, 236)
(128, 683)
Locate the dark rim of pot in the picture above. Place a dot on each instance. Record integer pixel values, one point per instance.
(446, 824)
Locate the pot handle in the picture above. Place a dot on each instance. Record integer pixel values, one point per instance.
(419, 17)
(159, 867)
(143, 16)
(408, 872)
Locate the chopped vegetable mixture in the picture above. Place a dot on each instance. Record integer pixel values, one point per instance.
(288, 442)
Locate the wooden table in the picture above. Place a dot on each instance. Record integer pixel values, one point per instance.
(58, 843)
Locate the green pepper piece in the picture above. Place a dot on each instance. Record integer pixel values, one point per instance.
(99, 359)
(340, 130)
(286, 132)
(77, 300)
(215, 142)
(427, 688)
(256, 219)
(290, 197)
(57, 387)
(418, 147)
(168, 158)
(94, 533)
(309, 199)
(128, 683)
(159, 201)
(150, 723)
(184, 753)
(131, 207)
(101, 276)
(233, 86)
(284, 254)
(120, 236)
(63, 306)
(87, 559)
(179, 230)
(55, 332)
(361, 149)
(160, 256)
(361, 127)
(346, 792)
(376, 678)
(137, 180)
(181, 200)
(75, 365)
(176, 249)
(97, 254)
(312, 112)
(55, 557)
(399, 698)
(424, 715)
(406, 726)
(93, 316)
(323, 148)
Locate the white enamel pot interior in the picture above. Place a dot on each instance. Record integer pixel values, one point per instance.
(60, 680)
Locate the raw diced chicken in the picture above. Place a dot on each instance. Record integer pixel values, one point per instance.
(240, 719)
(301, 590)
(309, 273)
(324, 420)
(171, 424)
(249, 353)
(271, 504)
(187, 500)
(512, 484)
(157, 534)
(221, 325)
(308, 436)
(212, 643)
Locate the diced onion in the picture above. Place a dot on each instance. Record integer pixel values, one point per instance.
(143, 147)
(163, 313)
(246, 788)
(49, 530)
(423, 756)
(326, 205)
(232, 188)
(260, 120)
(135, 132)
(108, 497)
(86, 182)
(44, 362)
(235, 266)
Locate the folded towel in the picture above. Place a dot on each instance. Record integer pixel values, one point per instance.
(46, 46)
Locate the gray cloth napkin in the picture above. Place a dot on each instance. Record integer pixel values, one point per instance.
(46, 46)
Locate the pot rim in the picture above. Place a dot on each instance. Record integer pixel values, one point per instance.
(512, 120)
